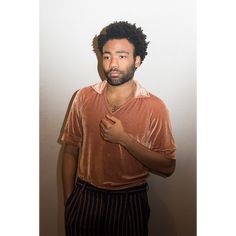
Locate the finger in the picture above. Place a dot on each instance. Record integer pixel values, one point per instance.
(106, 123)
(103, 136)
(112, 118)
(102, 126)
(102, 132)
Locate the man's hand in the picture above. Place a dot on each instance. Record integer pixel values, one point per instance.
(112, 130)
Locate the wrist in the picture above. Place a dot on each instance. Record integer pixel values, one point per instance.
(126, 140)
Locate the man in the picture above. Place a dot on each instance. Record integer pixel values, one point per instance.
(116, 132)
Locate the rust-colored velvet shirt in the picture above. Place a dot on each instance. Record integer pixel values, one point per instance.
(107, 165)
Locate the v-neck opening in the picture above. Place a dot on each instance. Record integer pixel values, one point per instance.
(122, 106)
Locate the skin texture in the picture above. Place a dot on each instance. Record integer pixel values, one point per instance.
(118, 58)
(119, 65)
(118, 61)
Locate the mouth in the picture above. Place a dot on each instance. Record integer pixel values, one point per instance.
(114, 73)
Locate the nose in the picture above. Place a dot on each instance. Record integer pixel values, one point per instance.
(114, 63)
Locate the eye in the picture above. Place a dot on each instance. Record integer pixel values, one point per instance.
(105, 57)
(123, 57)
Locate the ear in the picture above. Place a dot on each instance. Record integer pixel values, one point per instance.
(137, 62)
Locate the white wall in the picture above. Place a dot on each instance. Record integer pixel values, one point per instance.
(68, 63)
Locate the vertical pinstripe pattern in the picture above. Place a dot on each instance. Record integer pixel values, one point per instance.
(90, 211)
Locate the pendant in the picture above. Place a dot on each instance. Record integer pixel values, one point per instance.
(115, 108)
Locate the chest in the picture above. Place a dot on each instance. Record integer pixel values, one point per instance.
(134, 117)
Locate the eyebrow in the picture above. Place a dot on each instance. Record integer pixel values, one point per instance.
(106, 52)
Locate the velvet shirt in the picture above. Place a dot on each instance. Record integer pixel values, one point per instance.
(107, 165)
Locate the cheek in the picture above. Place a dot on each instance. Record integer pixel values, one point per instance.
(127, 66)
(124, 64)
(105, 65)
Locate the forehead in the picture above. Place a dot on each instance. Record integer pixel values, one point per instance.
(114, 45)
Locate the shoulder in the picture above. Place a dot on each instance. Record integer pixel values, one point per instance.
(150, 100)
(156, 108)
(155, 102)
(88, 91)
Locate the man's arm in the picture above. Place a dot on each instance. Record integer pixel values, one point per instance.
(69, 167)
(155, 161)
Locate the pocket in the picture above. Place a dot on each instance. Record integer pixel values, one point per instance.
(146, 207)
(76, 186)
(69, 199)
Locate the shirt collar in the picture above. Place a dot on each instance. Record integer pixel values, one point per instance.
(140, 91)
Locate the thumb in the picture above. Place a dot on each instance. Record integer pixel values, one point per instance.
(114, 119)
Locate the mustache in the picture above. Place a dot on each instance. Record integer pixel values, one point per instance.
(112, 70)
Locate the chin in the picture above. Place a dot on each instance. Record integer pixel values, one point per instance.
(118, 81)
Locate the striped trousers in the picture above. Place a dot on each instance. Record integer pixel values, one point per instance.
(98, 212)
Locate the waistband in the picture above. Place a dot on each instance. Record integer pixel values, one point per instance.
(141, 188)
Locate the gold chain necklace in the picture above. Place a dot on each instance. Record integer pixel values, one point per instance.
(116, 107)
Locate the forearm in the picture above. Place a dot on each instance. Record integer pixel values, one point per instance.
(154, 161)
(69, 168)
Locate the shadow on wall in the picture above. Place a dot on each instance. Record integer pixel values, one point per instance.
(99, 55)
(160, 224)
(60, 198)
(60, 207)
(99, 58)
(60, 215)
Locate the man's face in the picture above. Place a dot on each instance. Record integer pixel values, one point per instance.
(118, 61)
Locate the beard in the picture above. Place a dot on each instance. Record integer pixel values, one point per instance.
(122, 78)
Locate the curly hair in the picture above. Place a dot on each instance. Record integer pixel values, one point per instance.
(125, 30)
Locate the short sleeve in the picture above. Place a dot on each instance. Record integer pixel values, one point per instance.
(161, 137)
(72, 133)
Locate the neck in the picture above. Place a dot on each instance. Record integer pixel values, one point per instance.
(122, 90)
